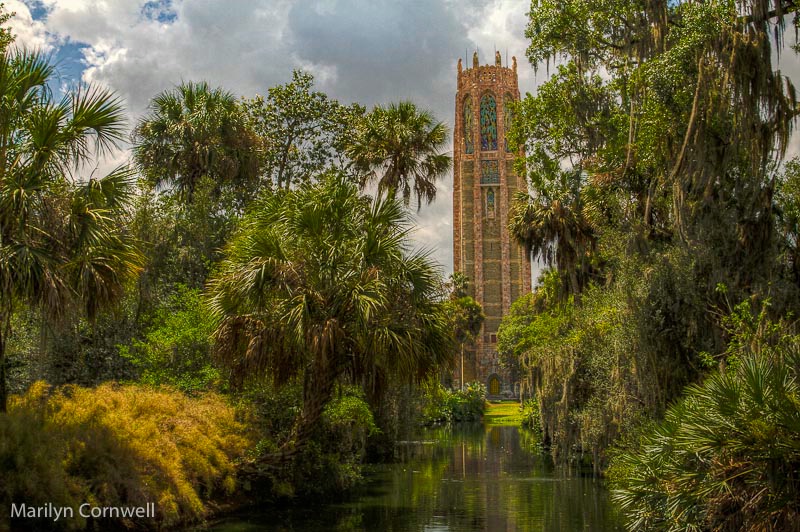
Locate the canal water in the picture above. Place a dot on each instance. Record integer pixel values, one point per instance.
(462, 478)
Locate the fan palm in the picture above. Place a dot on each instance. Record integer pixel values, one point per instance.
(399, 146)
(724, 458)
(59, 239)
(194, 131)
(554, 227)
(319, 283)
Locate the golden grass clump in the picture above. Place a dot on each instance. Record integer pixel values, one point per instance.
(119, 445)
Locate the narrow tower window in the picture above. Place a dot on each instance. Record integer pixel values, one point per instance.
(469, 146)
(488, 123)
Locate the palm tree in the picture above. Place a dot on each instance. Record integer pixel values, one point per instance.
(400, 146)
(555, 227)
(467, 318)
(319, 283)
(192, 132)
(726, 456)
(60, 240)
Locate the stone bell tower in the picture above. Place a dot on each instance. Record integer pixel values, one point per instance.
(484, 184)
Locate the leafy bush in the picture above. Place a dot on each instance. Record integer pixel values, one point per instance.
(175, 349)
(331, 462)
(599, 365)
(726, 457)
(118, 446)
(443, 406)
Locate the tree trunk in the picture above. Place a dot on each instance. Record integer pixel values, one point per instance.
(3, 387)
(462, 366)
(316, 396)
(314, 402)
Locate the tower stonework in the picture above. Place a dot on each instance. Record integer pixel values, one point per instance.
(484, 184)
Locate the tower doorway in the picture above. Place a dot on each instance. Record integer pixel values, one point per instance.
(494, 385)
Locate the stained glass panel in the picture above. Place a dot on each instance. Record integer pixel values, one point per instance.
(490, 173)
(469, 145)
(488, 123)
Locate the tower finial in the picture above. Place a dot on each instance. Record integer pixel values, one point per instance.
(514, 63)
(497, 59)
(459, 65)
(475, 59)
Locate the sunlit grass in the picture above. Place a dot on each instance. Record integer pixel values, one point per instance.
(119, 445)
(504, 413)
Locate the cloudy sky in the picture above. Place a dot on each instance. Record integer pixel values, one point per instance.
(366, 51)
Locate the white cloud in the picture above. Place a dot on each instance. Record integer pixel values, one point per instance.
(29, 33)
(140, 48)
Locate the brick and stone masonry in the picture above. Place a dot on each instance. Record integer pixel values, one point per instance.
(484, 184)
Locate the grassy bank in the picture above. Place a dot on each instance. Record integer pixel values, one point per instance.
(117, 446)
(503, 413)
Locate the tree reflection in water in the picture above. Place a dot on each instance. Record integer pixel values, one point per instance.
(463, 478)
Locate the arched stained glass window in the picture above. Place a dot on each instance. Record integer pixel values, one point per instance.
(469, 145)
(508, 116)
(488, 123)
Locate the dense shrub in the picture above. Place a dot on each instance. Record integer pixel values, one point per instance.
(331, 461)
(442, 405)
(175, 348)
(118, 446)
(600, 365)
(727, 456)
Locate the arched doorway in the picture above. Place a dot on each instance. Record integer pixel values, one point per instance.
(493, 385)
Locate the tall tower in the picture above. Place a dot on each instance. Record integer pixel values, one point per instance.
(484, 184)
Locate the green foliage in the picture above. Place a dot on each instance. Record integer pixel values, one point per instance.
(301, 133)
(556, 228)
(598, 368)
(651, 153)
(725, 456)
(467, 317)
(441, 405)
(62, 241)
(458, 285)
(534, 320)
(118, 446)
(532, 418)
(318, 282)
(72, 351)
(192, 132)
(176, 348)
(332, 459)
(399, 146)
(787, 199)
(181, 241)
(6, 37)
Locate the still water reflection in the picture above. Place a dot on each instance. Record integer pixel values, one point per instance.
(456, 479)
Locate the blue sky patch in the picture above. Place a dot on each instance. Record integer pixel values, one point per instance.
(159, 10)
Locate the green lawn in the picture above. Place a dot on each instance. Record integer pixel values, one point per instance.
(505, 413)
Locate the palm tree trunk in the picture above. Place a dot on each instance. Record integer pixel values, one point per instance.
(316, 398)
(317, 395)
